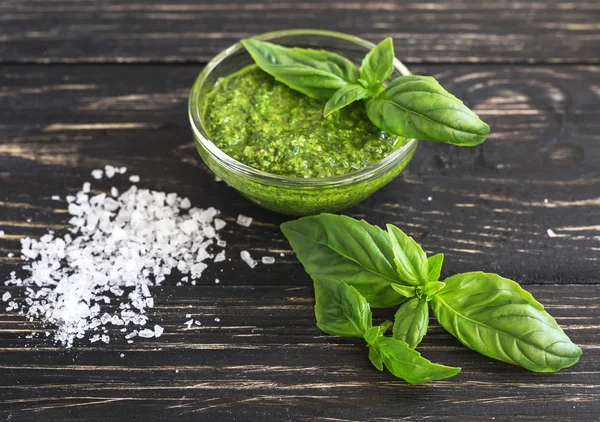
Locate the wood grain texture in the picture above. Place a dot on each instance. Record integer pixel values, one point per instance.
(487, 209)
(503, 31)
(266, 360)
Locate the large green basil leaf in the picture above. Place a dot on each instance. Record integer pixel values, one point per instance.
(344, 96)
(408, 364)
(496, 317)
(434, 263)
(409, 257)
(418, 107)
(315, 73)
(378, 65)
(342, 248)
(411, 320)
(340, 309)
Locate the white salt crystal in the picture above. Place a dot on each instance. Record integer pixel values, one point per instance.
(429, 198)
(97, 174)
(158, 330)
(87, 186)
(105, 339)
(56, 197)
(245, 255)
(217, 319)
(10, 255)
(6, 296)
(545, 201)
(243, 220)
(2, 233)
(281, 254)
(217, 281)
(188, 315)
(221, 243)
(104, 319)
(220, 256)
(268, 260)
(189, 226)
(218, 179)
(185, 204)
(146, 333)
(219, 224)
(551, 233)
(122, 355)
(114, 192)
(109, 171)
(189, 323)
(122, 170)
(134, 178)
(197, 322)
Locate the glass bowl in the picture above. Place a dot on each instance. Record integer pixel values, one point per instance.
(284, 194)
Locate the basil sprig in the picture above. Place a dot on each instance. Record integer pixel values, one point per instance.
(409, 106)
(341, 310)
(354, 264)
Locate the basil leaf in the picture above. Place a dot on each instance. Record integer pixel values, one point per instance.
(342, 248)
(315, 73)
(378, 65)
(432, 288)
(434, 263)
(418, 107)
(406, 291)
(496, 317)
(408, 364)
(340, 309)
(410, 260)
(375, 357)
(344, 96)
(411, 320)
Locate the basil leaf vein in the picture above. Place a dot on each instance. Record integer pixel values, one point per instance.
(411, 321)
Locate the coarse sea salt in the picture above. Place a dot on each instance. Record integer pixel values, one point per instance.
(245, 255)
(117, 245)
(243, 220)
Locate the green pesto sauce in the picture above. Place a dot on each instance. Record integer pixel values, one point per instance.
(268, 126)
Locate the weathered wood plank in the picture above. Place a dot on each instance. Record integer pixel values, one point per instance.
(504, 31)
(267, 360)
(487, 208)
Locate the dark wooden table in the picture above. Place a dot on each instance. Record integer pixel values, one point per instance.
(86, 83)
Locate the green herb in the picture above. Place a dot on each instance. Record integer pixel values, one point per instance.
(315, 73)
(354, 264)
(418, 107)
(377, 66)
(411, 320)
(341, 310)
(496, 317)
(341, 248)
(409, 106)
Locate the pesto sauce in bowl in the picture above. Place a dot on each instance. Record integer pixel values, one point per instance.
(273, 145)
(266, 125)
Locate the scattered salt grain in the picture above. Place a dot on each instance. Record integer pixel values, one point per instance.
(218, 179)
(189, 323)
(188, 315)
(134, 178)
(268, 260)
(114, 192)
(220, 256)
(87, 186)
(217, 319)
(122, 355)
(55, 198)
(109, 171)
(146, 333)
(217, 281)
(185, 204)
(97, 174)
(545, 201)
(197, 323)
(122, 170)
(551, 233)
(245, 255)
(6, 296)
(243, 220)
(221, 243)
(10, 255)
(2, 233)
(219, 224)
(158, 330)
(429, 198)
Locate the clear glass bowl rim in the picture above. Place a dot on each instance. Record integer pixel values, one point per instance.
(366, 173)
